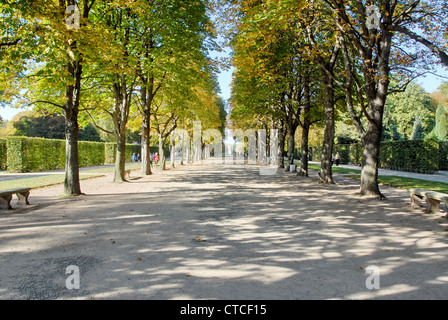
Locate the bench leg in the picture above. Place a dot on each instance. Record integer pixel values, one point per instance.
(5, 202)
(416, 200)
(433, 206)
(23, 198)
(446, 207)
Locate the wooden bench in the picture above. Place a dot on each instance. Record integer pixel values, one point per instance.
(432, 198)
(6, 197)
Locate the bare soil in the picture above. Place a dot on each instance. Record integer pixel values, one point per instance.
(221, 232)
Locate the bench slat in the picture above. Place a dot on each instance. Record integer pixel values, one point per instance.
(432, 198)
(16, 190)
(6, 197)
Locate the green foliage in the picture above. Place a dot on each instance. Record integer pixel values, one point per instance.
(441, 128)
(424, 156)
(26, 154)
(40, 127)
(35, 154)
(110, 150)
(418, 131)
(415, 155)
(403, 108)
(344, 152)
(89, 133)
(443, 155)
(50, 127)
(91, 153)
(356, 154)
(3, 158)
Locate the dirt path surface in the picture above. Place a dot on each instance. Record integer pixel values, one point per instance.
(222, 232)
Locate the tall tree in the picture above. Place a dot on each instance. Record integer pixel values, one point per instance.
(372, 56)
(55, 47)
(173, 35)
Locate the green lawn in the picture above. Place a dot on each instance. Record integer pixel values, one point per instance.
(335, 169)
(410, 183)
(392, 181)
(133, 166)
(38, 182)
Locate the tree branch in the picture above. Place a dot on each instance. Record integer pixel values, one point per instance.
(431, 46)
(48, 102)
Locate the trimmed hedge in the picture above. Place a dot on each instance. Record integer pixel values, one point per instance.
(91, 153)
(412, 155)
(443, 155)
(3, 157)
(423, 156)
(25, 154)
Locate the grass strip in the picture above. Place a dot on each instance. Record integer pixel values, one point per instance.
(409, 183)
(393, 181)
(38, 182)
(335, 169)
(133, 166)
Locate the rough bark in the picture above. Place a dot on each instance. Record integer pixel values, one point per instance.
(372, 98)
(303, 171)
(146, 137)
(281, 149)
(162, 152)
(120, 160)
(305, 124)
(71, 182)
(326, 174)
(146, 96)
(291, 129)
(370, 161)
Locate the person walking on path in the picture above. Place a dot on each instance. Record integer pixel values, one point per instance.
(337, 158)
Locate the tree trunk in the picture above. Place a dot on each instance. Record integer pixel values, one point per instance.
(305, 133)
(146, 97)
(172, 153)
(282, 138)
(120, 160)
(182, 149)
(162, 152)
(370, 161)
(146, 122)
(291, 144)
(326, 174)
(71, 183)
(306, 124)
(120, 118)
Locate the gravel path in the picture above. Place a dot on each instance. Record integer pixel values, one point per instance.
(222, 232)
